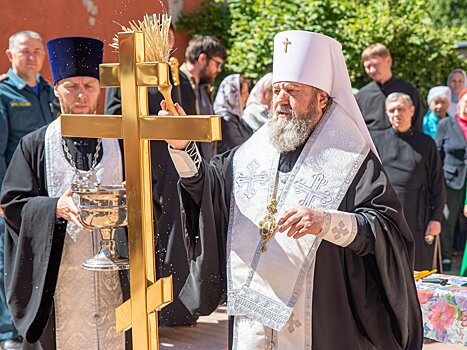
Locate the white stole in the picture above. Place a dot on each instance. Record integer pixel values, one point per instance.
(84, 301)
(268, 290)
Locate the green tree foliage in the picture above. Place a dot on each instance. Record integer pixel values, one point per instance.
(449, 13)
(422, 53)
(213, 18)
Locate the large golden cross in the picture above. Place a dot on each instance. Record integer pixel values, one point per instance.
(137, 128)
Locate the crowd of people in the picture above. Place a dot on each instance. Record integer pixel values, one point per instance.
(428, 174)
(362, 182)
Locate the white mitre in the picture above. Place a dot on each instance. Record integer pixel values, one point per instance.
(317, 60)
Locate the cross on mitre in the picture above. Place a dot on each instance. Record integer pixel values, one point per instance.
(133, 75)
(286, 43)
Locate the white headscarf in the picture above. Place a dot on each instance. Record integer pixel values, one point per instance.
(439, 91)
(452, 110)
(317, 60)
(454, 71)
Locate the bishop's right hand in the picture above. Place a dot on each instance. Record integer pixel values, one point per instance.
(164, 112)
(67, 209)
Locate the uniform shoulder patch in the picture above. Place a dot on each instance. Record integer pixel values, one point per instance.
(3, 77)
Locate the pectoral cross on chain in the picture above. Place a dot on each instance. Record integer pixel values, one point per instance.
(251, 179)
(312, 192)
(340, 230)
(286, 43)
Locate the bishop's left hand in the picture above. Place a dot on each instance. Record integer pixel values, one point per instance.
(301, 221)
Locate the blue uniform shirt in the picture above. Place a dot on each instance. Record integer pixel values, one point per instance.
(21, 112)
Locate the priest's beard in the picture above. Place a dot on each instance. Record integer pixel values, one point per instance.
(205, 77)
(287, 135)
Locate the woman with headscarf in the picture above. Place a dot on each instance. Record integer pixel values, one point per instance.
(230, 101)
(259, 103)
(439, 98)
(451, 141)
(462, 103)
(457, 80)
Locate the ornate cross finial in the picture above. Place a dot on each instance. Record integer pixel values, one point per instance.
(286, 43)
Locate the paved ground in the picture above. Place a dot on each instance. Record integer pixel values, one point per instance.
(211, 334)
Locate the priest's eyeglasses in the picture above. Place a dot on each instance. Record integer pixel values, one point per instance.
(220, 64)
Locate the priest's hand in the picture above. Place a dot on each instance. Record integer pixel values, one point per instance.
(301, 221)
(465, 210)
(180, 111)
(1, 212)
(67, 209)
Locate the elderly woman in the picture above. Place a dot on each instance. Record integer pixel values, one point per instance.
(451, 143)
(438, 100)
(259, 103)
(457, 80)
(230, 100)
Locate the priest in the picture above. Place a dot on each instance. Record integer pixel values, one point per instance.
(56, 304)
(377, 61)
(299, 227)
(413, 165)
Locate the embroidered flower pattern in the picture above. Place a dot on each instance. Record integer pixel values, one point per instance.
(444, 310)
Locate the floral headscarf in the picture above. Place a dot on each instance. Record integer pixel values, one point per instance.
(228, 97)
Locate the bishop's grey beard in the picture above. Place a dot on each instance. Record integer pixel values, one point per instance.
(287, 135)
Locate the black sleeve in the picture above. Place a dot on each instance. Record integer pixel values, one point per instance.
(370, 282)
(33, 241)
(436, 187)
(364, 242)
(205, 200)
(392, 260)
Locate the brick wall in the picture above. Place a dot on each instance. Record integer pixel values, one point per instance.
(54, 18)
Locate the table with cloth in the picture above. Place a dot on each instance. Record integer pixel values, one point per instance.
(444, 308)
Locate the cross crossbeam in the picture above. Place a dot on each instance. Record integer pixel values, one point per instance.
(313, 192)
(252, 178)
(202, 128)
(133, 75)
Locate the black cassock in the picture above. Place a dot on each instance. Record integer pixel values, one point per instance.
(364, 295)
(34, 238)
(170, 251)
(413, 165)
(372, 98)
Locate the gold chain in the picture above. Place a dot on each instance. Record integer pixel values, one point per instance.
(267, 226)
